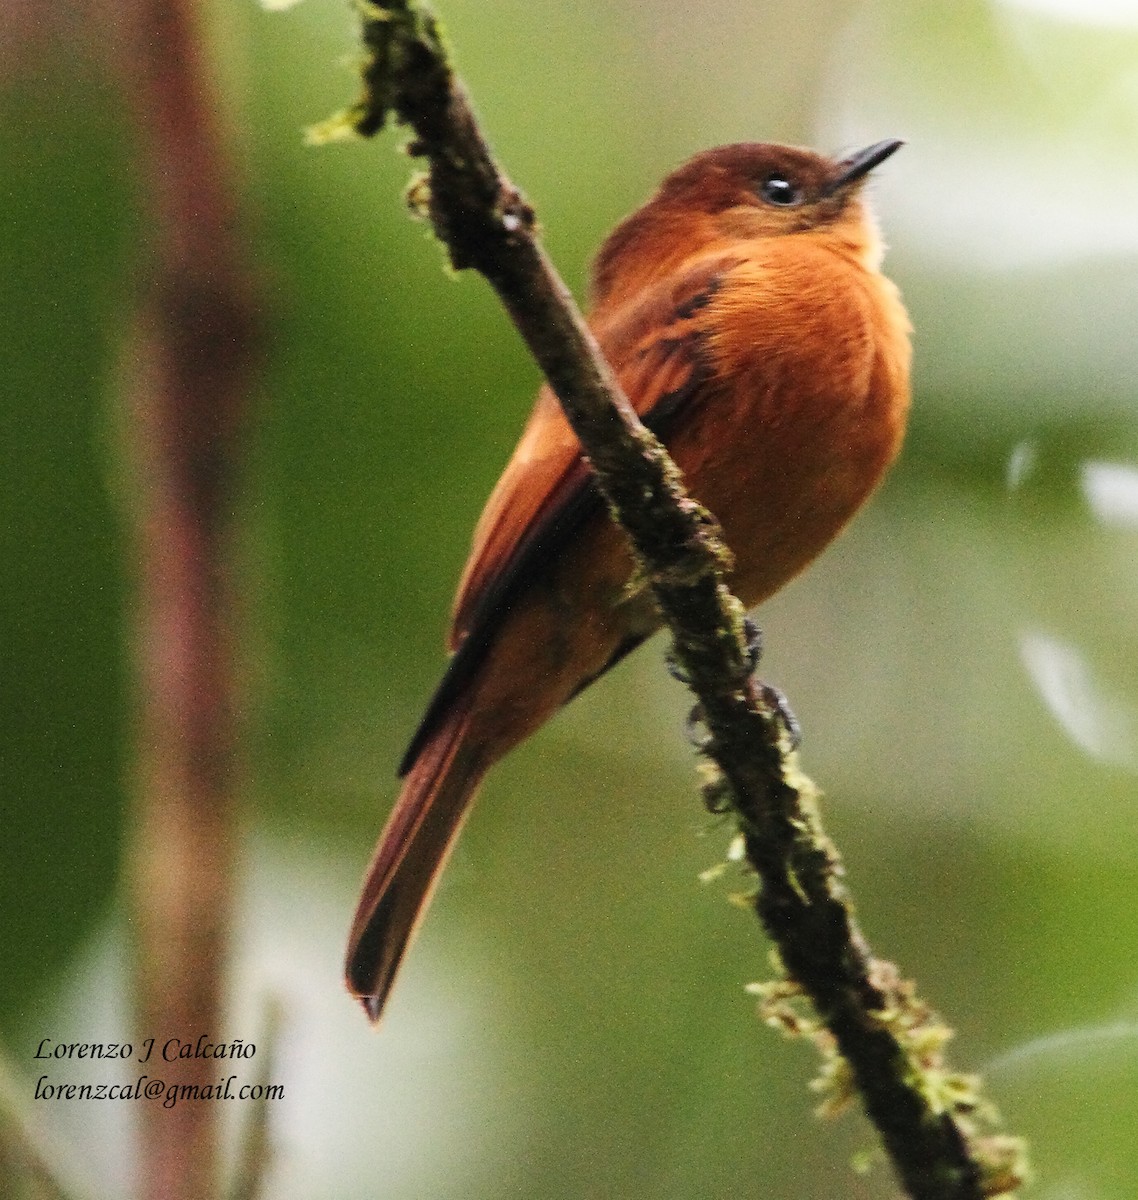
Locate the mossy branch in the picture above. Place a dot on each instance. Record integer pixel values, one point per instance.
(875, 1032)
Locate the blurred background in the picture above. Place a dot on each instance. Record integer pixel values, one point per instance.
(572, 1022)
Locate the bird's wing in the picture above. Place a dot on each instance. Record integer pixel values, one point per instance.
(547, 492)
(651, 346)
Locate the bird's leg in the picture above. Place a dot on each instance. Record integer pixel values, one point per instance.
(774, 697)
(754, 639)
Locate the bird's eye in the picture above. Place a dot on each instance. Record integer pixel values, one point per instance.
(776, 189)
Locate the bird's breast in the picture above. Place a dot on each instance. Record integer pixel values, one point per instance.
(808, 357)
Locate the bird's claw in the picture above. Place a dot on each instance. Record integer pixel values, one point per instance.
(753, 636)
(677, 672)
(781, 706)
(695, 729)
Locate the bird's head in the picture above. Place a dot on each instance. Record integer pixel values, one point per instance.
(770, 189)
(751, 190)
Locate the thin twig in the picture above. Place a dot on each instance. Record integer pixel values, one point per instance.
(188, 373)
(891, 1043)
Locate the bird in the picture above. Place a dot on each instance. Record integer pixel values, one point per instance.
(746, 317)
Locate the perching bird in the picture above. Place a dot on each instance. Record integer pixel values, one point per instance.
(744, 313)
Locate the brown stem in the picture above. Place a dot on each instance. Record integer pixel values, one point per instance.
(890, 1041)
(188, 371)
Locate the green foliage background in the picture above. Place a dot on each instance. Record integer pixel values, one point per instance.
(572, 1022)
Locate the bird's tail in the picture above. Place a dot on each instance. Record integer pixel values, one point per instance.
(409, 858)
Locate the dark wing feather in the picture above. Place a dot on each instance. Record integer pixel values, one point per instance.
(547, 493)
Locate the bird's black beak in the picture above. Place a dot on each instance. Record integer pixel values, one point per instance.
(858, 166)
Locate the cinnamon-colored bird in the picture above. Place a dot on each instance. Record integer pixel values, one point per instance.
(744, 313)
